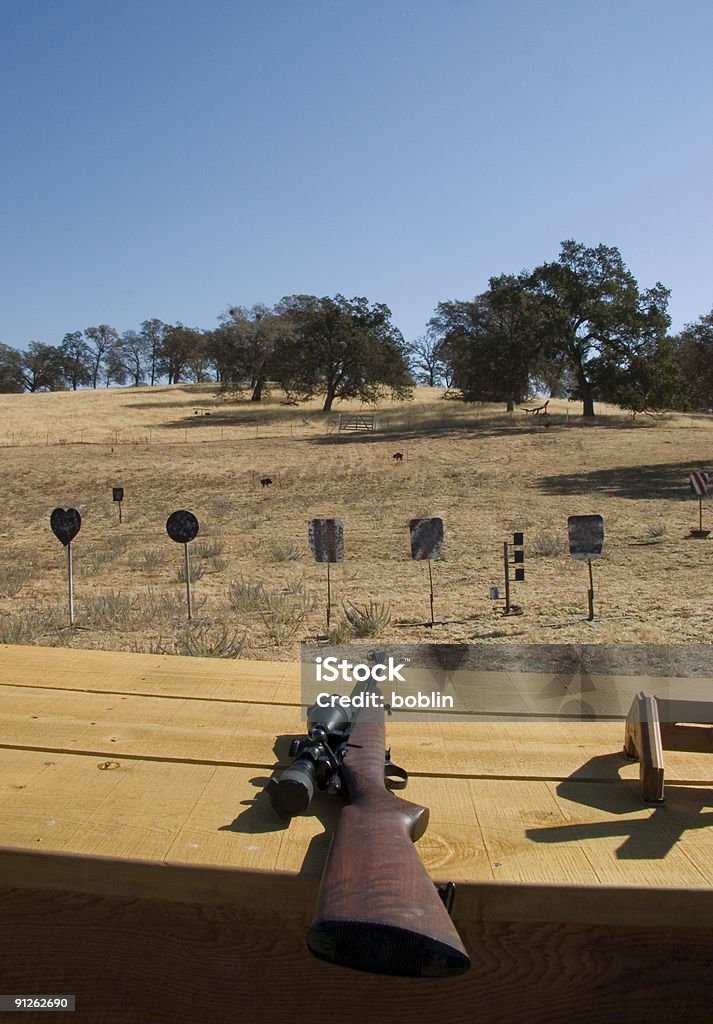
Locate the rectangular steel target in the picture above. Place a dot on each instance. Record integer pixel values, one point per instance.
(586, 537)
(326, 539)
(426, 538)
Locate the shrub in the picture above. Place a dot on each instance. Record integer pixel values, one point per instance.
(245, 596)
(12, 580)
(545, 543)
(154, 558)
(368, 620)
(110, 608)
(196, 569)
(341, 634)
(208, 548)
(203, 640)
(284, 552)
(283, 616)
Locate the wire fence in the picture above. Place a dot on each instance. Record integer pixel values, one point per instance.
(203, 430)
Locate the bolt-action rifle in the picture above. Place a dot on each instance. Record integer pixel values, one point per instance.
(377, 909)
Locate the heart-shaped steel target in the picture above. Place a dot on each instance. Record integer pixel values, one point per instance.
(65, 524)
(182, 526)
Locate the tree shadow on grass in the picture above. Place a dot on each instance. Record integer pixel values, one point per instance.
(475, 430)
(662, 480)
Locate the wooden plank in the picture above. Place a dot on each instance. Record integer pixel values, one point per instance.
(280, 681)
(172, 676)
(142, 726)
(152, 962)
(218, 732)
(513, 804)
(233, 824)
(580, 833)
(485, 900)
(17, 769)
(130, 810)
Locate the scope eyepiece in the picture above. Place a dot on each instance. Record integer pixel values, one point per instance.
(292, 793)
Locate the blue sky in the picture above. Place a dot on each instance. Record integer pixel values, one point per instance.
(169, 158)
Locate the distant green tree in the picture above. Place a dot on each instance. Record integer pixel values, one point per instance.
(694, 346)
(76, 360)
(491, 343)
(153, 334)
(551, 374)
(100, 341)
(199, 365)
(42, 367)
(114, 368)
(179, 344)
(596, 316)
(342, 348)
(134, 355)
(647, 379)
(245, 349)
(11, 372)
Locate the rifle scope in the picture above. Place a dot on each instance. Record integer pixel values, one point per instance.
(315, 763)
(292, 793)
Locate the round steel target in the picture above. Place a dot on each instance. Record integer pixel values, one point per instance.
(182, 526)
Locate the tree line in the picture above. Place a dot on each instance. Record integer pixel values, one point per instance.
(577, 327)
(337, 347)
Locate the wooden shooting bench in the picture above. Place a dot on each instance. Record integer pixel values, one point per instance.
(143, 870)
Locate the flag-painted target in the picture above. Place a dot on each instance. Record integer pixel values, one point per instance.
(699, 483)
(65, 524)
(182, 526)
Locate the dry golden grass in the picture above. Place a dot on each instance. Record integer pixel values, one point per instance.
(486, 473)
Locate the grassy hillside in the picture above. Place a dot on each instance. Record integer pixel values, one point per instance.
(484, 472)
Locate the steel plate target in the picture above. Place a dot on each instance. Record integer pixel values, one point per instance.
(65, 524)
(426, 538)
(182, 526)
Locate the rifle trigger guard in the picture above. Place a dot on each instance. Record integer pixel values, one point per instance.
(395, 777)
(446, 890)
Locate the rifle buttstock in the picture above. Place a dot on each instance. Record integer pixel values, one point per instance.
(378, 910)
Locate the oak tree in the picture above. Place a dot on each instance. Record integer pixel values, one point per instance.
(342, 348)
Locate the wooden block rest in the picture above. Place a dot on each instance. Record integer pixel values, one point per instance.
(655, 724)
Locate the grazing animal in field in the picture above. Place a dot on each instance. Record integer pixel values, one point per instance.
(398, 457)
(266, 481)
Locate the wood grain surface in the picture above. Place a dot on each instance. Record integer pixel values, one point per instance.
(141, 865)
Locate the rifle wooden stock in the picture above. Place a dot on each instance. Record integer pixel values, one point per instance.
(378, 910)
